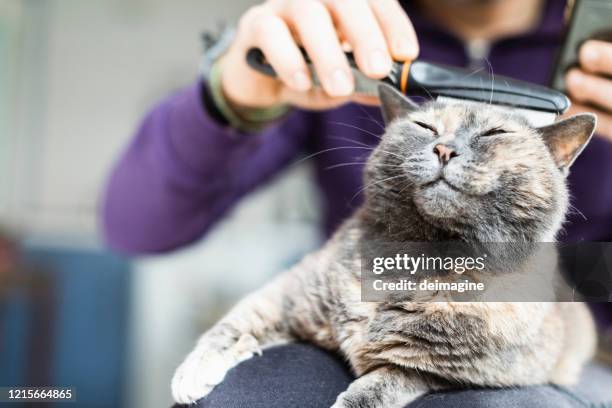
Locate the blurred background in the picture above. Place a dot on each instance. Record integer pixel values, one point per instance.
(75, 79)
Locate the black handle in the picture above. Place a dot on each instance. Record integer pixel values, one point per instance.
(363, 85)
(257, 60)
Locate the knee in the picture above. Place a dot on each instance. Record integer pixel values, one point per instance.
(535, 397)
(295, 375)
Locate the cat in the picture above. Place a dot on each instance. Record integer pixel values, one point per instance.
(442, 172)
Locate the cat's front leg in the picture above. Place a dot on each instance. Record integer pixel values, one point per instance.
(255, 322)
(208, 363)
(385, 387)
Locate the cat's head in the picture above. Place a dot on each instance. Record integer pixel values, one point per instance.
(474, 170)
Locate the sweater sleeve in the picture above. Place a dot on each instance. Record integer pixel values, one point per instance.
(183, 170)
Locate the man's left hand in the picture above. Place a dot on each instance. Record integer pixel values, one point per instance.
(590, 86)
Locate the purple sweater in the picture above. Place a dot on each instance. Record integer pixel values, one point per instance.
(184, 169)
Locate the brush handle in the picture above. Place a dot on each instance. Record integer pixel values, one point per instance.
(257, 60)
(363, 85)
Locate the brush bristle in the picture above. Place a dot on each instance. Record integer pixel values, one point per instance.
(534, 117)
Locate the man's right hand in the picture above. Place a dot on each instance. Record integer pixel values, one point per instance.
(377, 31)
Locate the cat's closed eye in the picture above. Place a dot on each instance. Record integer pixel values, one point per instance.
(494, 131)
(426, 126)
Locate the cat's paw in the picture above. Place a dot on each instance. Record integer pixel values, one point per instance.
(346, 400)
(352, 399)
(340, 403)
(206, 367)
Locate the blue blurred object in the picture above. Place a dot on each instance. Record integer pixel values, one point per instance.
(65, 324)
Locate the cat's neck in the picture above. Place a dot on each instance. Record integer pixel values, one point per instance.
(399, 222)
(391, 220)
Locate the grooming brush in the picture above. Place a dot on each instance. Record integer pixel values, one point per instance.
(540, 105)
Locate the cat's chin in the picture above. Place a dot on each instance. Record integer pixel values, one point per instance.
(438, 200)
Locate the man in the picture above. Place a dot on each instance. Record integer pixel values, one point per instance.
(201, 150)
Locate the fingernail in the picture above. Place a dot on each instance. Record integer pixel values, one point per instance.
(574, 79)
(340, 83)
(403, 49)
(379, 63)
(590, 55)
(300, 81)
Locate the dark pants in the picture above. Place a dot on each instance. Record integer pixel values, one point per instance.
(303, 376)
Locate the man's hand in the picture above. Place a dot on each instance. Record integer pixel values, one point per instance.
(591, 84)
(376, 30)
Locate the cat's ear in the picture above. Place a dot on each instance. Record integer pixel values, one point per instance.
(393, 103)
(567, 138)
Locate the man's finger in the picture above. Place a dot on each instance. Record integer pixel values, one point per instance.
(314, 26)
(596, 57)
(397, 28)
(586, 88)
(272, 35)
(358, 25)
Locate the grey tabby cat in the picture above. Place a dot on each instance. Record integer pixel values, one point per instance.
(442, 172)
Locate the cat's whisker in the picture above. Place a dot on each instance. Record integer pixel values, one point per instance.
(408, 184)
(384, 166)
(327, 150)
(471, 73)
(357, 128)
(481, 87)
(373, 184)
(492, 80)
(373, 121)
(431, 97)
(346, 139)
(392, 154)
(366, 146)
(371, 118)
(575, 210)
(335, 166)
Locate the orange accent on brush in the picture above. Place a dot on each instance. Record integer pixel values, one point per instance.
(404, 77)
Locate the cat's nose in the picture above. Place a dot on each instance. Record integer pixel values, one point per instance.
(444, 152)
